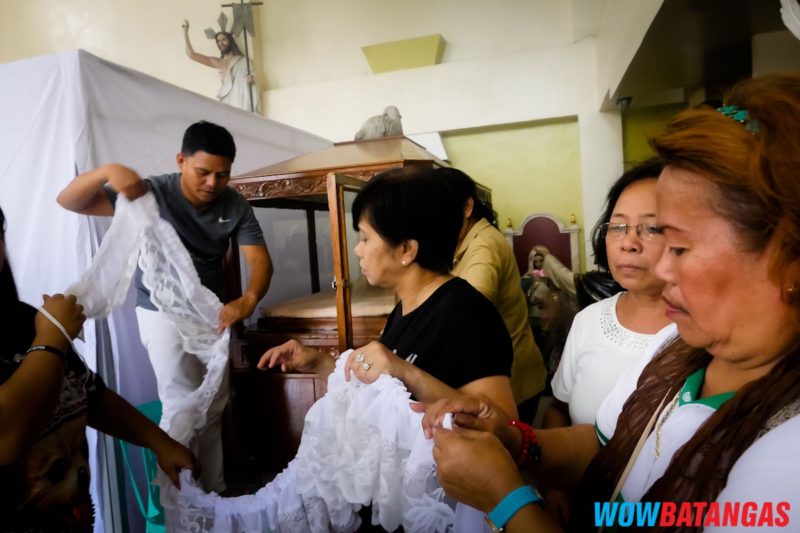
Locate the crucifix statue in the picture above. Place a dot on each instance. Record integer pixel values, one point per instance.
(236, 71)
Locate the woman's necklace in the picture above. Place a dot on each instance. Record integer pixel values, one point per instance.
(660, 426)
(419, 293)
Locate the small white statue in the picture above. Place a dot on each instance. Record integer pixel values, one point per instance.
(385, 125)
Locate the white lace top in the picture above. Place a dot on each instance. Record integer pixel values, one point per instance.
(598, 351)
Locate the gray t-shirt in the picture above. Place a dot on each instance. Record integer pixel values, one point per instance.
(204, 232)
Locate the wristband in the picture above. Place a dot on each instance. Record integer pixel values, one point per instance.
(45, 348)
(508, 507)
(530, 451)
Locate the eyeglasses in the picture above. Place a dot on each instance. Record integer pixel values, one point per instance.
(646, 231)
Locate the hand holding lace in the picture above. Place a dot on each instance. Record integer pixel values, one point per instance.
(369, 362)
(66, 310)
(234, 311)
(173, 457)
(125, 181)
(473, 467)
(473, 412)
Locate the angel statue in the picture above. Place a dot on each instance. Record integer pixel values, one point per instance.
(386, 124)
(236, 71)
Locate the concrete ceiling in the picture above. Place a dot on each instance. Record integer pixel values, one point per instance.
(696, 44)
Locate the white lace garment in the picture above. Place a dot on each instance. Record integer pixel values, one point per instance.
(361, 443)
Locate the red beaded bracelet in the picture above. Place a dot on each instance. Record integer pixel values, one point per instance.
(530, 450)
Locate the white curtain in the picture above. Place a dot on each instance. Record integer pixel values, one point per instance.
(64, 114)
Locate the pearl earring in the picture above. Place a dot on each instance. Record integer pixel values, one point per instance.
(403, 262)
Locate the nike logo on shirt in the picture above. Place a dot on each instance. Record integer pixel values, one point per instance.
(223, 220)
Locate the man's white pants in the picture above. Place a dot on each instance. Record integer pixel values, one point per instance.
(177, 374)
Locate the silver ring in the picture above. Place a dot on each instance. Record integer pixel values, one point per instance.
(365, 366)
(360, 357)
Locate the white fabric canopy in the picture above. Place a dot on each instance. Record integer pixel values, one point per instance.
(66, 113)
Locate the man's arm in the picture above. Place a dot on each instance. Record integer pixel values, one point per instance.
(200, 58)
(260, 266)
(85, 193)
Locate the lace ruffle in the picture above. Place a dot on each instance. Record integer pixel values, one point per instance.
(361, 443)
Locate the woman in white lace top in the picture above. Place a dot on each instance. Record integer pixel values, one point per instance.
(607, 337)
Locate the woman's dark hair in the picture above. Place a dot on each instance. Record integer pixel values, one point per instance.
(413, 202)
(210, 138)
(463, 188)
(8, 289)
(649, 169)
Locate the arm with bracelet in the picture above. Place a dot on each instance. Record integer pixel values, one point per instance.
(557, 457)
(476, 469)
(30, 395)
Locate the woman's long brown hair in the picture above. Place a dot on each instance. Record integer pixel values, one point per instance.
(753, 169)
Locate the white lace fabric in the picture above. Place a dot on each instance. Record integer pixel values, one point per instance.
(361, 443)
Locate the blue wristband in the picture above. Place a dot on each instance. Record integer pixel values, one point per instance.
(508, 507)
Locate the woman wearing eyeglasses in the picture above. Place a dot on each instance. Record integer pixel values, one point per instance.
(607, 337)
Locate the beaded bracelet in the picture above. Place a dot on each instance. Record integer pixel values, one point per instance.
(530, 451)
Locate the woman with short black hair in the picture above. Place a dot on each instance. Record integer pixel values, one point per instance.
(443, 334)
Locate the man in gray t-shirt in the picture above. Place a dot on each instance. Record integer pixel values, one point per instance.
(206, 214)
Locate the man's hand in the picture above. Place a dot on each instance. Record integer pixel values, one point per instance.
(125, 181)
(234, 311)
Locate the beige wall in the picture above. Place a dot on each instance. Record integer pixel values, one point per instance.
(639, 125)
(144, 35)
(774, 52)
(532, 167)
(506, 62)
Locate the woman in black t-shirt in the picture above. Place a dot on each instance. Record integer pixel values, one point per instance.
(443, 335)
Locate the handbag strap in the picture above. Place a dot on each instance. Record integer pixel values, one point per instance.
(648, 428)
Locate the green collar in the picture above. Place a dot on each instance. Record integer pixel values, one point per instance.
(691, 390)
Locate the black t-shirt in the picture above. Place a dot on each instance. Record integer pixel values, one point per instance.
(456, 335)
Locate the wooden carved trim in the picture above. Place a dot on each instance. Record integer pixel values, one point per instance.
(282, 188)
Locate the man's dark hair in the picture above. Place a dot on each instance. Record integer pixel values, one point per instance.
(207, 137)
(649, 169)
(413, 202)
